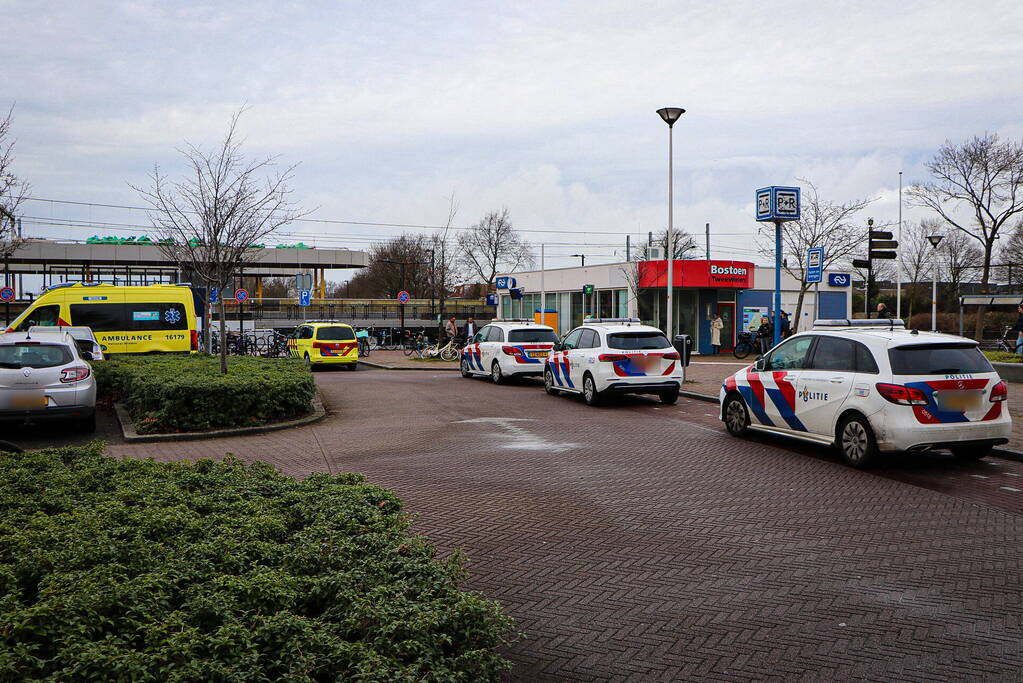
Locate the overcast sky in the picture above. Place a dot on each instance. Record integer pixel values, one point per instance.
(547, 108)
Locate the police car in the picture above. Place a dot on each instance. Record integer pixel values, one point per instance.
(871, 386)
(508, 348)
(614, 356)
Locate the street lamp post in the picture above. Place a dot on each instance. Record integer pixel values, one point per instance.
(935, 240)
(580, 256)
(670, 116)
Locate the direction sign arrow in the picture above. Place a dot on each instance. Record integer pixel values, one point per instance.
(883, 244)
(883, 255)
(860, 263)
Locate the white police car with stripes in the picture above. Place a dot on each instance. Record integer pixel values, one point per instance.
(615, 356)
(508, 348)
(871, 386)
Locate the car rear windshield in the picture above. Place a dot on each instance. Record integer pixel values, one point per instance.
(938, 359)
(637, 341)
(531, 335)
(34, 355)
(335, 334)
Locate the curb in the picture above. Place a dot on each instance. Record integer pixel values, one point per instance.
(131, 436)
(378, 366)
(1004, 453)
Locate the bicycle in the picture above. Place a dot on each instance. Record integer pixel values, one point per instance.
(364, 343)
(451, 350)
(744, 345)
(1007, 343)
(277, 346)
(414, 345)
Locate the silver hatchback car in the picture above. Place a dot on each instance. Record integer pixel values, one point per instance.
(44, 378)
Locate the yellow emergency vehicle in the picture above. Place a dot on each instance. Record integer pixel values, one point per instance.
(125, 319)
(323, 342)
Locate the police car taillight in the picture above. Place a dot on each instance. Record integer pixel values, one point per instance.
(511, 350)
(612, 357)
(904, 396)
(999, 392)
(673, 355)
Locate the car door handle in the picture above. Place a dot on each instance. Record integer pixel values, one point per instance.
(837, 380)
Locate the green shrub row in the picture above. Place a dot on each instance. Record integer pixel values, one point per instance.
(188, 393)
(133, 570)
(1003, 357)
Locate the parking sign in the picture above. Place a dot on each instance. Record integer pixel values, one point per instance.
(814, 264)
(305, 297)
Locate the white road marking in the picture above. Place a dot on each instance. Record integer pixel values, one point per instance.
(517, 437)
(1011, 474)
(979, 476)
(1009, 488)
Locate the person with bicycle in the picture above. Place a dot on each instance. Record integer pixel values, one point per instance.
(450, 328)
(1018, 328)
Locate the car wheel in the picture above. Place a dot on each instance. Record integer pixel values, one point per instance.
(495, 373)
(856, 442)
(464, 367)
(352, 367)
(548, 382)
(669, 398)
(971, 453)
(590, 393)
(309, 363)
(736, 416)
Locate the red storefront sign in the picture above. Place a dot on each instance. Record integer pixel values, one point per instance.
(731, 274)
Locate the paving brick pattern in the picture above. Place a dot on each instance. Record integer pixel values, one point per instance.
(640, 542)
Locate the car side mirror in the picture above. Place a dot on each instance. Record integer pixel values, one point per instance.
(86, 355)
(760, 363)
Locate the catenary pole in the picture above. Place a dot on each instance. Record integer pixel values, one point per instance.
(898, 261)
(543, 289)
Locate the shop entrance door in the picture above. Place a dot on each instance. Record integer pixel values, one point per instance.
(726, 309)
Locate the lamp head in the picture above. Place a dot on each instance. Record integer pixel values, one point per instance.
(671, 114)
(935, 238)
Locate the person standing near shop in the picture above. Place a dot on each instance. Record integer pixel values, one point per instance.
(765, 334)
(450, 328)
(470, 328)
(786, 325)
(883, 312)
(716, 325)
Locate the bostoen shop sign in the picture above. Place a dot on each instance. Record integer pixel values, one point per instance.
(694, 273)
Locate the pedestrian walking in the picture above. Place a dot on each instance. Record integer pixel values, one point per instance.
(765, 334)
(716, 325)
(450, 328)
(786, 325)
(470, 327)
(883, 312)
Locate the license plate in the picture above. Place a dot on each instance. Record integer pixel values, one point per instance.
(539, 354)
(28, 402)
(643, 363)
(958, 401)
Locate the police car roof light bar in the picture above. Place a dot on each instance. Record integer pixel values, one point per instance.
(846, 322)
(512, 320)
(611, 320)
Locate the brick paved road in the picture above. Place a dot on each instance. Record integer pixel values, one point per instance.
(640, 542)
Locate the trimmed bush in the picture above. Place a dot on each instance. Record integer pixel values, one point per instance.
(188, 393)
(135, 570)
(1003, 357)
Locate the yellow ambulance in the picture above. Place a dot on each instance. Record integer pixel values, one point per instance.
(325, 342)
(125, 319)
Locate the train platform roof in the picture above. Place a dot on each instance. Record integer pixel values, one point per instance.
(37, 255)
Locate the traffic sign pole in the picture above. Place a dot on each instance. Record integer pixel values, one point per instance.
(777, 282)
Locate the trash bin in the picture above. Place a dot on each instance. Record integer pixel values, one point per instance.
(683, 343)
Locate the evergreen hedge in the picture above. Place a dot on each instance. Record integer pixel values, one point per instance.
(133, 570)
(188, 393)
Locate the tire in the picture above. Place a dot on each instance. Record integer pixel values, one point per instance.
(670, 397)
(407, 349)
(352, 367)
(449, 353)
(736, 416)
(496, 376)
(856, 442)
(971, 453)
(741, 350)
(464, 368)
(590, 393)
(548, 382)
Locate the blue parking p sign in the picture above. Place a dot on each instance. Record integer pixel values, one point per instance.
(304, 297)
(777, 203)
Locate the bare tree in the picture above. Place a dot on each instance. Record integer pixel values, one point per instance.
(209, 221)
(444, 256)
(978, 189)
(685, 245)
(958, 257)
(13, 191)
(1011, 256)
(402, 262)
(492, 245)
(822, 223)
(916, 256)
